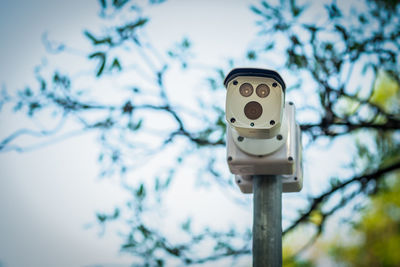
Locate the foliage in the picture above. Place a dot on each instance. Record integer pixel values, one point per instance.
(343, 70)
(377, 231)
(376, 234)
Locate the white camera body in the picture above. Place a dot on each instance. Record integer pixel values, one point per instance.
(274, 164)
(262, 137)
(268, 123)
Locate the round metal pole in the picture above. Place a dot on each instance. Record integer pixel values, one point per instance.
(267, 221)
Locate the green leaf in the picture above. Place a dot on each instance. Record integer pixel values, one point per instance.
(295, 9)
(385, 91)
(145, 232)
(62, 81)
(362, 19)
(173, 251)
(42, 85)
(265, 4)
(132, 26)
(101, 217)
(140, 22)
(103, 3)
(119, 3)
(96, 41)
(328, 46)
(102, 57)
(251, 55)
(213, 83)
(130, 245)
(186, 226)
(28, 92)
(90, 36)
(127, 108)
(221, 74)
(256, 10)
(18, 106)
(334, 181)
(160, 262)
(141, 192)
(343, 31)
(135, 127)
(333, 11)
(168, 181)
(157, 184)
(185, 43)
(116, 64)
(116, 214)
(33, 106)
(138, 125)
(97, 54)
(269, 46)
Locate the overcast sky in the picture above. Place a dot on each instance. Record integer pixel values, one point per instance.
(49, 195)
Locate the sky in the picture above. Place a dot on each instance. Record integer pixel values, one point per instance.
(48, 196)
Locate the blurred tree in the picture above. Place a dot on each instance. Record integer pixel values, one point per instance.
(343, 59)
(376, 236)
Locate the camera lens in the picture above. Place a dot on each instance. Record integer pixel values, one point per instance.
(253, 110)
(262, 90)
(246, 89)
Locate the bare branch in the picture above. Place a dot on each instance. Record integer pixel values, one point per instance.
(321, 198)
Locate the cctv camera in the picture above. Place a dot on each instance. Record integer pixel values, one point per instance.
(262, 136)
(255, 110)
(255, 102)
(292, 182)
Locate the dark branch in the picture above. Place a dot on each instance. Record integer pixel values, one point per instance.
(321, 198)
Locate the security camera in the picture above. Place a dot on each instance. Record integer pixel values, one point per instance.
(255, 102)
(262, 136)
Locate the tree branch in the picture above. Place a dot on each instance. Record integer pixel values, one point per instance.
(317, 200)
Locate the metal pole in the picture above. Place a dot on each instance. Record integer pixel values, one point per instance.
(267, 221)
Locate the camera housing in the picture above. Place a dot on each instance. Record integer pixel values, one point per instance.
(290, 182)
(262, 136)
(254, 102)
